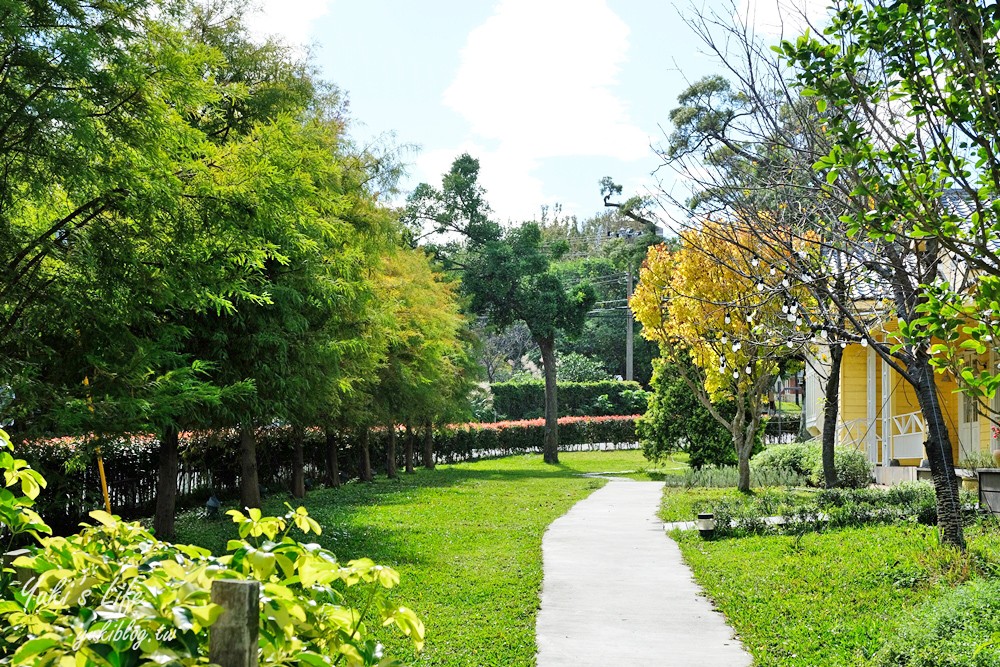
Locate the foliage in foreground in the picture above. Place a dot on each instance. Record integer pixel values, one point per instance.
(832, 598)
(114, 595)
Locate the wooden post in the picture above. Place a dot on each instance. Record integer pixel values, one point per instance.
(232, 640)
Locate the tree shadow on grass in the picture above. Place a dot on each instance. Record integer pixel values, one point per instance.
(344, 512)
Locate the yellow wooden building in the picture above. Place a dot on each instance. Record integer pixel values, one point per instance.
(879, 413)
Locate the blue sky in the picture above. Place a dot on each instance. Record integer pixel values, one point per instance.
(550, 95)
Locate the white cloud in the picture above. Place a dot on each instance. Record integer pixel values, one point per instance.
(782, 18)
(535, 81)
(292, 20)
(511, 189)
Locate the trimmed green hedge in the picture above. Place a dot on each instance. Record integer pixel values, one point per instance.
(463, 442)
(526, 400)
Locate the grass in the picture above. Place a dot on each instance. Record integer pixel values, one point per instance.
(788, 407)
(830, 598)
(466, 540)
(655, 471)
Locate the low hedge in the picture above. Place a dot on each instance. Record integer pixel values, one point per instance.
(209, 461)
(209, 464)
(464, 442)
(526, 400)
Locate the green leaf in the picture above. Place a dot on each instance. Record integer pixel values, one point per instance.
(262, 563)
(104, 518)
(33, 648)
(207, 614)
(313, 659)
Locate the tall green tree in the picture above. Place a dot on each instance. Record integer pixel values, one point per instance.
(426, 373)
(507, 274)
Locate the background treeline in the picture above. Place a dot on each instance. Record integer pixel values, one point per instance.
(190, 240)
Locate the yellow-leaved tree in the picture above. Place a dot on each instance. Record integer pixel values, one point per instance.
(718, 300)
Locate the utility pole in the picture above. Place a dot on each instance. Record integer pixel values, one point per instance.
(630, 322)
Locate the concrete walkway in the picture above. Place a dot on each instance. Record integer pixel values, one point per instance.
(616, 591)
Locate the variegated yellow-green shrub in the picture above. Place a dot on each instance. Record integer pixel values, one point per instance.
(114, 595)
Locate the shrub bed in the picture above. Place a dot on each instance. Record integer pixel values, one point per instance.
(806, 458)
(208, 465)
(526, 400)
(728, 476)
(912, 502)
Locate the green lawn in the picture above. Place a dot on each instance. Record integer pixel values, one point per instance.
(829, 598)
(788, 407)
(466, 540)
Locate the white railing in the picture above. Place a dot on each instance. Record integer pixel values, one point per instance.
(853, 433)
(908, 435)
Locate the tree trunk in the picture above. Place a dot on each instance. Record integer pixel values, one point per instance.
(390, 453)
(366, 458)
(409, 447)
(298, 463)
(249, 484)
(428, 446)
(939, 454)
(550, 450)
(742, 458)
(830, 412)
(332, 458)
(743, 443)
(166, 485)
